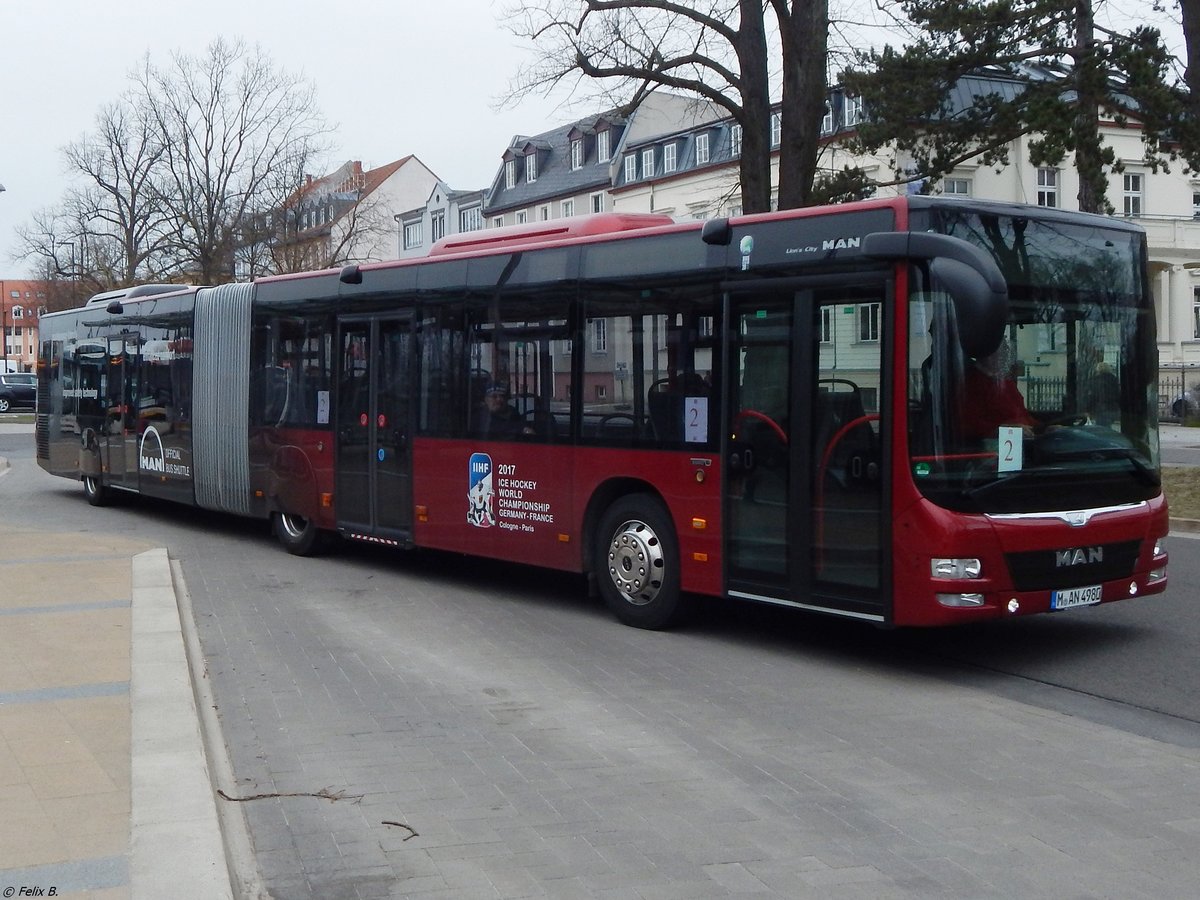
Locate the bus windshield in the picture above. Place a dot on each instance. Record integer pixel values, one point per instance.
(1062, 414)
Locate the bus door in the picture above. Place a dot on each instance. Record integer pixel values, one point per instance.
(805, 488)
(373, 469)
(120, 437)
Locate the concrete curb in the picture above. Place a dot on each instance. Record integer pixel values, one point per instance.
(239, 847)
(176, 848)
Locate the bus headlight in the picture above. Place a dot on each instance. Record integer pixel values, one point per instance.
(955, 568)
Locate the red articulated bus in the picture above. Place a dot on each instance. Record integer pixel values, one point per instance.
(915, 411)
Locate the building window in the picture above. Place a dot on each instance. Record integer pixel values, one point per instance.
(958, 187)
(648, 163)
(868, 322)
(498, 221)
(603, 146)
(544, 213)
(597, 203)
(577, 154)
(531, 167)
(599, 331)
(1196, 204)
(630, 167)
(826, 325)
(853, 111)
(735, 140)
(437, 225)
(470, 219)
(568, 208)
(412, 235)
(522, 216)
(701, 149)
(1047, 187)
(1196, 313)
(669, 157)
(776, 129)
(510, 174)
(827, 119)
(1132, 193)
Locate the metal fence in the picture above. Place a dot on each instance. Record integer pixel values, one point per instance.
(1178, 394)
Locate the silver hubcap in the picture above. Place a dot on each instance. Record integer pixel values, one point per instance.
(635, 562)
(293, 526)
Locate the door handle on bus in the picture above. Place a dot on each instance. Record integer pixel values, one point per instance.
(742, 459)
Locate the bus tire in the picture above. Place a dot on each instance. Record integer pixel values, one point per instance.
(94, 490)
(637, 563)
(299, 536)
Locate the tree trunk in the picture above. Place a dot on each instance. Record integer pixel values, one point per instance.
(1089, 89)
(804, 36)
(755, 163)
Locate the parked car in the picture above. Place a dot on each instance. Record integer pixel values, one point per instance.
(17, 389)
(1187, 404)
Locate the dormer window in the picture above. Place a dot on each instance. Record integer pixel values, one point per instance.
(776, 129)
(531, 167)
(577, 154)
(669, 157)
(648, 163)
(630, 167)
(827, 119)
(853, 111)
(701, 149)
(603, 146)
(735, 140)
(510, 174)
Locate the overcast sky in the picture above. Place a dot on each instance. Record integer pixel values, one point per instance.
(394, 76)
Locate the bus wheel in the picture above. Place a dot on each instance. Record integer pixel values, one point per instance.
(297, 534)
(637, 563)
(94, 490)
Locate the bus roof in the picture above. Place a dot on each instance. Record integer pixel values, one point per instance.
(550, 230)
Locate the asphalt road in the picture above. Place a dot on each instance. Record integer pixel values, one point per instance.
(502, 706)
(1139, 654)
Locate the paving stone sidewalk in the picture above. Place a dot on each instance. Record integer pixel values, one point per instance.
(104, 790)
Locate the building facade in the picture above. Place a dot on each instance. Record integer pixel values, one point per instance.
(21, 304)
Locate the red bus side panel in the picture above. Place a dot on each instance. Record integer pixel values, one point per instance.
(528, 502)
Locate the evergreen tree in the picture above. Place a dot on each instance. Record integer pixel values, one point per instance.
(1053, 73)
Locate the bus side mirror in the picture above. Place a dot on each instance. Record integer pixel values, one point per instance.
(980, 315)
(970, 276)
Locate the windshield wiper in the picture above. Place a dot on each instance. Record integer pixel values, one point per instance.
(979, 490)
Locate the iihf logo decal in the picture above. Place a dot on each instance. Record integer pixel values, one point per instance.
(480, 492)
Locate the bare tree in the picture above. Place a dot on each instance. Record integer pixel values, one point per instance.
(717, 50)
(123, 232)
(228, 122)
(109, 229)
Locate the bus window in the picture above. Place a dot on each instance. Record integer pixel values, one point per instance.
(519, 377)
(649, 367)
(292, 383)
(441, 411)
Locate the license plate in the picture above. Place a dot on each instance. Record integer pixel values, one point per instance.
(1080, 596)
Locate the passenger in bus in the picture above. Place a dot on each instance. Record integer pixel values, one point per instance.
(498, 419)
(991, 398)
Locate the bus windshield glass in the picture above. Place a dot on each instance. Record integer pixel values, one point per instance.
(1063, 414)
